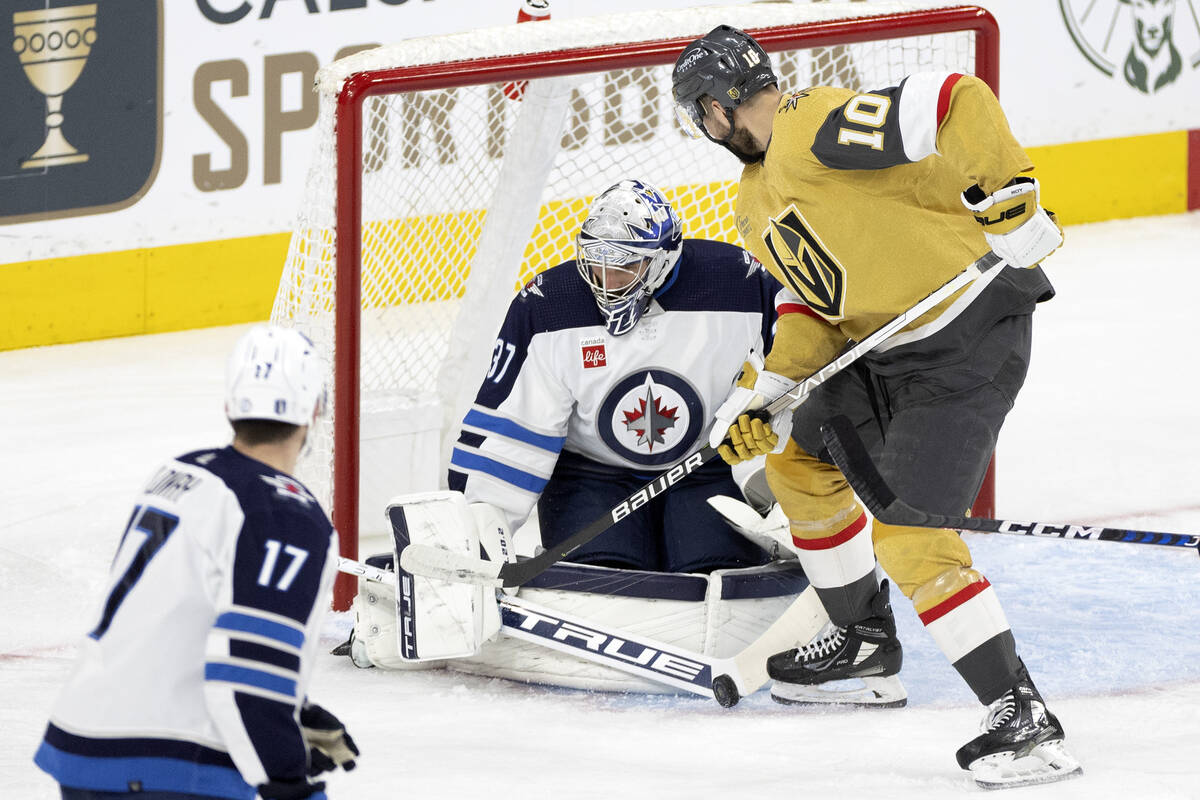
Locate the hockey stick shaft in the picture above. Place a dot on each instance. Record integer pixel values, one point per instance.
(656, 661)
(852, 457)
(352, 567)
(794, 396)
(434, 562)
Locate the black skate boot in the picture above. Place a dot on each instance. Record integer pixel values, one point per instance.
(1021, 743)
(856, 665)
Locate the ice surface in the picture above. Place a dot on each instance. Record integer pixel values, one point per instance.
(1106, 431)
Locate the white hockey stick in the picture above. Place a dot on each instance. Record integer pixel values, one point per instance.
(726, 680)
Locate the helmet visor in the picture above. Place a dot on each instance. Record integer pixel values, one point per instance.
(690, 119)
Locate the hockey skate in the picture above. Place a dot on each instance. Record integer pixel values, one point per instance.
(852, 666)
(1021, 743)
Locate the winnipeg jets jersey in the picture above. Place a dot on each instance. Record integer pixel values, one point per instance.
(641, 401)
(192, 675)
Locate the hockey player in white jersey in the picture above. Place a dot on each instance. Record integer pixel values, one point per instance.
(192, 681)
(607, 370)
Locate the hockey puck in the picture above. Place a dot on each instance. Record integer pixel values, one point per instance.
(725, 691)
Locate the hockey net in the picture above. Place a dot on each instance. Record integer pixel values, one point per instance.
(450, 170)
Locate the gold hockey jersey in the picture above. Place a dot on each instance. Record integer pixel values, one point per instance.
(856, 208)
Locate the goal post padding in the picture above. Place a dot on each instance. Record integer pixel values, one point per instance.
(433, 196)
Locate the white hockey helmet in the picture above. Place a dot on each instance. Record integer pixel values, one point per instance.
(275, 374)
(626, 249)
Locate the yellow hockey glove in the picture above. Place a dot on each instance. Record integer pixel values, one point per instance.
(751, 436)
(1015, 225)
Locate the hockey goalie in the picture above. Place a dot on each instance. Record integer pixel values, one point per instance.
(607, 370)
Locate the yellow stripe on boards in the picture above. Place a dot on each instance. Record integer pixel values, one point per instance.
(177, 287)
(133, 292)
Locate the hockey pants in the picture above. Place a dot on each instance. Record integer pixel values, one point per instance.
(931, 433)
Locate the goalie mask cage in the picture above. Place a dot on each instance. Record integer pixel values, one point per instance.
(450, 170)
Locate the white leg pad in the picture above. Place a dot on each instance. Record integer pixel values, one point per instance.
(439, 619)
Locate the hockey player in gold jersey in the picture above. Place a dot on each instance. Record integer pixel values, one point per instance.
(862, 203)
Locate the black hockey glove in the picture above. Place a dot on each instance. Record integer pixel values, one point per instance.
(289, 790)
(329, 746)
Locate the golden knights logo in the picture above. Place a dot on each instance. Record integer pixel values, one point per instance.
(651, 417)
(808, 268)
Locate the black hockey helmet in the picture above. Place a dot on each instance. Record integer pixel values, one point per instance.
(726, 64)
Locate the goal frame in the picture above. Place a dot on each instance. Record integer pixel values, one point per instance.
(348, 146)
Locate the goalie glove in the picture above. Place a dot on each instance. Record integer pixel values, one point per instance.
(329, 745)
(1015, 225)
(749, 435)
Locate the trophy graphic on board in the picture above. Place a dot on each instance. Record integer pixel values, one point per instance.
(53, 45)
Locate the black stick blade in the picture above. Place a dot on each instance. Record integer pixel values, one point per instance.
(850, 454)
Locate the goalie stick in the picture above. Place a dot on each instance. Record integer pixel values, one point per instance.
(435, 562)
(726, 680)
(852, 458)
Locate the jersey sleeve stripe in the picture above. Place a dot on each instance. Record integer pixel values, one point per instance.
(257, 651)
(229, 673)
(796, 308)
(234, 621)
(943, 103)
(506, 427)
(472, 462)
(924, 101)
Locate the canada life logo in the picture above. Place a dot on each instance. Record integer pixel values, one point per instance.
(593, 353)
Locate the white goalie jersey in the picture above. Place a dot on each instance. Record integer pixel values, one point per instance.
(640, 401)
(199, 660)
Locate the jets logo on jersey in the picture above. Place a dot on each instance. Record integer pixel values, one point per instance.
(651, 421)
(808, 268)
(651, 417)
(533, 287)
(753, 265)
(289, 488)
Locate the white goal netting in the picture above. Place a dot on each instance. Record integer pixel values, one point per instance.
(458, 193)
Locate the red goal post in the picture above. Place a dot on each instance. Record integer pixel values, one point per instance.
(433, 196)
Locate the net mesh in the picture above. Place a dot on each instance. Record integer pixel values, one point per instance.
(469, 192)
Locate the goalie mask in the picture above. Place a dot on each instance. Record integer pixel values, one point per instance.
(725, 64)
(626, 249)
(275, 374)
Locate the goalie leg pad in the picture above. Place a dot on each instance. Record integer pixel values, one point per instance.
(440, 619)
(375, 643)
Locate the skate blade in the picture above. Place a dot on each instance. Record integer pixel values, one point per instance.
(1046, 763)
(873, 692)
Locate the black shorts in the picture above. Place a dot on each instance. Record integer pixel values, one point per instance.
(930, 429)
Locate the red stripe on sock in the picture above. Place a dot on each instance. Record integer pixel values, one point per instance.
(830, 542)
(953, 601)
(943, 104)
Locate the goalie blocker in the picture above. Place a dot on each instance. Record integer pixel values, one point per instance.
(577, 626)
